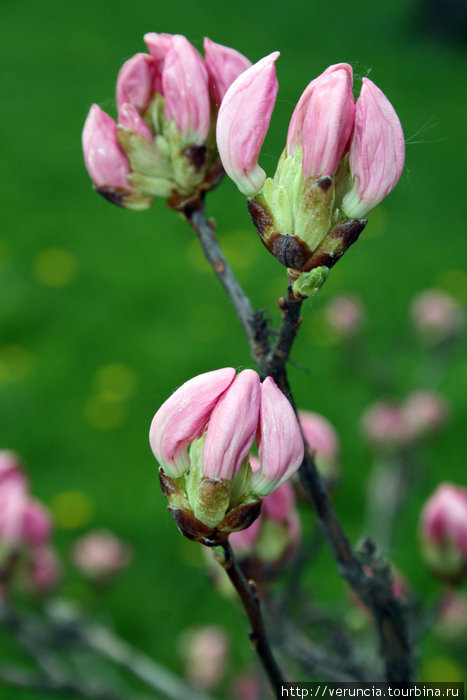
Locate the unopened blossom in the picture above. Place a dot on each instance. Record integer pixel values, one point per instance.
(386, 425)
(340, 160)
(443, 532)
(45, 570)
(323, 441)
(243, 122)
(10, 467)
(37, 525)
(376, 153)
(202, 436)
(223, 65)
(436, 315)
(426, 412)
(205, 655)
(451, 624)
(99, 555)
(345, 315)
(162, 144)
(25, 524)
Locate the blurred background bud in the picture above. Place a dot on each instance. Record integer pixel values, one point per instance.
(205, 655)
(443, 532)
(436, 315)
(345, 314)
(323, 441)
(100, 555)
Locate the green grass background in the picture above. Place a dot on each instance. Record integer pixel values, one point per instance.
(138, 293)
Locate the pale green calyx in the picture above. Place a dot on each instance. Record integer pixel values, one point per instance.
(309, 283)
(166, 165)
(301, 222)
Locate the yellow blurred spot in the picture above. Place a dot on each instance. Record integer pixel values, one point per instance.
(72, 509)
(206, 322)
(454, 282)
(15, 363)
(115, 382)
(241, 248)
(3, 254)
(441, 670)
(104, 414)
(55, 267)
(377, 224)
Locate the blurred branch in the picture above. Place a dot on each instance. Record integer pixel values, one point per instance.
(139, 665)
(375, 591)
(246, 591)
(65, 629)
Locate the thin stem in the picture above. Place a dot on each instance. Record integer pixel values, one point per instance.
(375, 591)
(253, 323)
(246, 591)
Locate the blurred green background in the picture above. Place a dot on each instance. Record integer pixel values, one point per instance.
(95, 333)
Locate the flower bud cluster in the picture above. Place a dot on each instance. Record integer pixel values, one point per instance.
(163, 142)
(25, 530)
(202, 437)
(341, 159)
(443, 532)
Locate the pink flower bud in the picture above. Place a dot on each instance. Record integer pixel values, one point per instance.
(205, 653)
(444, 519)
(232, 427)
(36, 524)
(386, 426)
(436, 315)
(275, 533)
(45, 570)
(322, 121)
(245, 540)
(425, 412)
(280, 503)
(183, 418)
(319, 434)
(135, 82)
(185, 88)
(100, 555)
(243, 121)
(129, 117)
(223, 65)
(105, 161)
(377, 151)
(10, 468)
(280, 443)
(345, 315)
(13, 504)
(159, 45)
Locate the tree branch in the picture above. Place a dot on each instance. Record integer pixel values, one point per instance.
(246, 591)
(375, 592)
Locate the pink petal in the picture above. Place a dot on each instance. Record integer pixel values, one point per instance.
(243, 121)
(183, 418)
